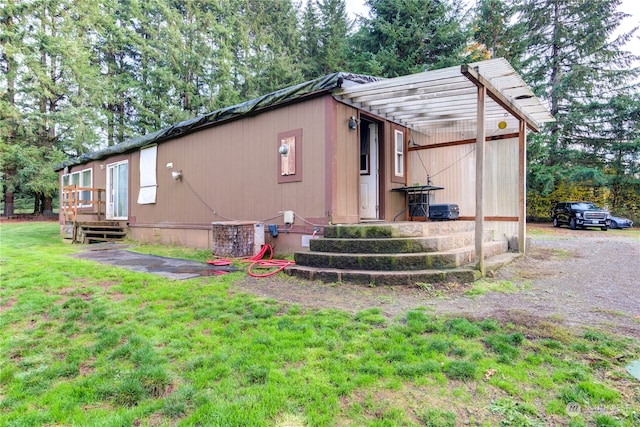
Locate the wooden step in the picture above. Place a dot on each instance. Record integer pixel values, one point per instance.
(104, 233)
(100, 231)
(100, 228)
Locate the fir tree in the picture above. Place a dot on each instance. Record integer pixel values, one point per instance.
(573, 61)
(407, 36)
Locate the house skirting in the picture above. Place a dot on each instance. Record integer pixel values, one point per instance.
(200, 236)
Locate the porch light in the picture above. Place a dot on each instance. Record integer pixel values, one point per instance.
(353, 123)
(176, 175)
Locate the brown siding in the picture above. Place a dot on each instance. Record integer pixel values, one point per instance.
(231, 171)
(347, 169)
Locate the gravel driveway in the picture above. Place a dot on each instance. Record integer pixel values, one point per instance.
(579, 278)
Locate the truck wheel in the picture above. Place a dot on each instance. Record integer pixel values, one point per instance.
(555, 222)
(572, 223)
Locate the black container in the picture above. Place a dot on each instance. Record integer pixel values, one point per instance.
(444, 212)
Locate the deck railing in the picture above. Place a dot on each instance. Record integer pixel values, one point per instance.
(76, 198)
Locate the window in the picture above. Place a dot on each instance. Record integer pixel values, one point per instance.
(81, 179)
(148, 183)
(365, 150)
(290, 156)
(118, 190)
(288, 159)
(398, 153)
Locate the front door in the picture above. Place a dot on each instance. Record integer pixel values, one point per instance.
(368, 170)
(118, 190)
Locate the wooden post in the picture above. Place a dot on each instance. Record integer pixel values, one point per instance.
(99, 203)
(522, 187)
(480, 144)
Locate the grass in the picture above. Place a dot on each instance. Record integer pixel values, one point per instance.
(88, 344)
(482, 287)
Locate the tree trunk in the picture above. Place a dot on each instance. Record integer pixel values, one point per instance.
(8, 204)
(36, 204)
(47, 206)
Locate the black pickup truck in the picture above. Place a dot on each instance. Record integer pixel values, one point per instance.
(580, 214)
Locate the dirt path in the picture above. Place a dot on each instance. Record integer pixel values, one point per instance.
(579, 278)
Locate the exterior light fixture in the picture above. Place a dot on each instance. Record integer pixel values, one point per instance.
(176, 175)
(283, 150)
(353, 123)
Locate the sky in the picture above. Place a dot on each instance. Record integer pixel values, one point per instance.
(355, 7)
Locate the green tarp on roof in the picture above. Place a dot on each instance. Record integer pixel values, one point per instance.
(271, 100)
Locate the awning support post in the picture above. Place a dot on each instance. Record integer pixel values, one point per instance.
(522, 186)
(480, 145)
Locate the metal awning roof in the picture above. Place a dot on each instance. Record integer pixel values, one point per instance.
(420, 101)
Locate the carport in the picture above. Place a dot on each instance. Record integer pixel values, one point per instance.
(477, 94)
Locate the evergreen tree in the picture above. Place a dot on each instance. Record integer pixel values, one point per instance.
(409, 36)
(610, 154)
(571, 62)
(333, 47)
(497, 31)
(310, 42)
(114, 49)
(10, 40)
(45, 63)
(274, 45)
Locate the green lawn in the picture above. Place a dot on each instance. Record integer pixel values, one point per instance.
(90, 345)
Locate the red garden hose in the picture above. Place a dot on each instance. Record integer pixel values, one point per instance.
(275, 265)
(257, 261)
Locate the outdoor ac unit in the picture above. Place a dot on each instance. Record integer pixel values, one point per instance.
(237, 239)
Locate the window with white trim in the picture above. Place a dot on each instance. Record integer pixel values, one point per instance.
(81, 179)
(399, 153)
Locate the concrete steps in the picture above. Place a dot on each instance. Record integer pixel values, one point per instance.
(396, 245)
(395, 253)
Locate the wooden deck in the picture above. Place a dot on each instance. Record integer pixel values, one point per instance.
(84, 212)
